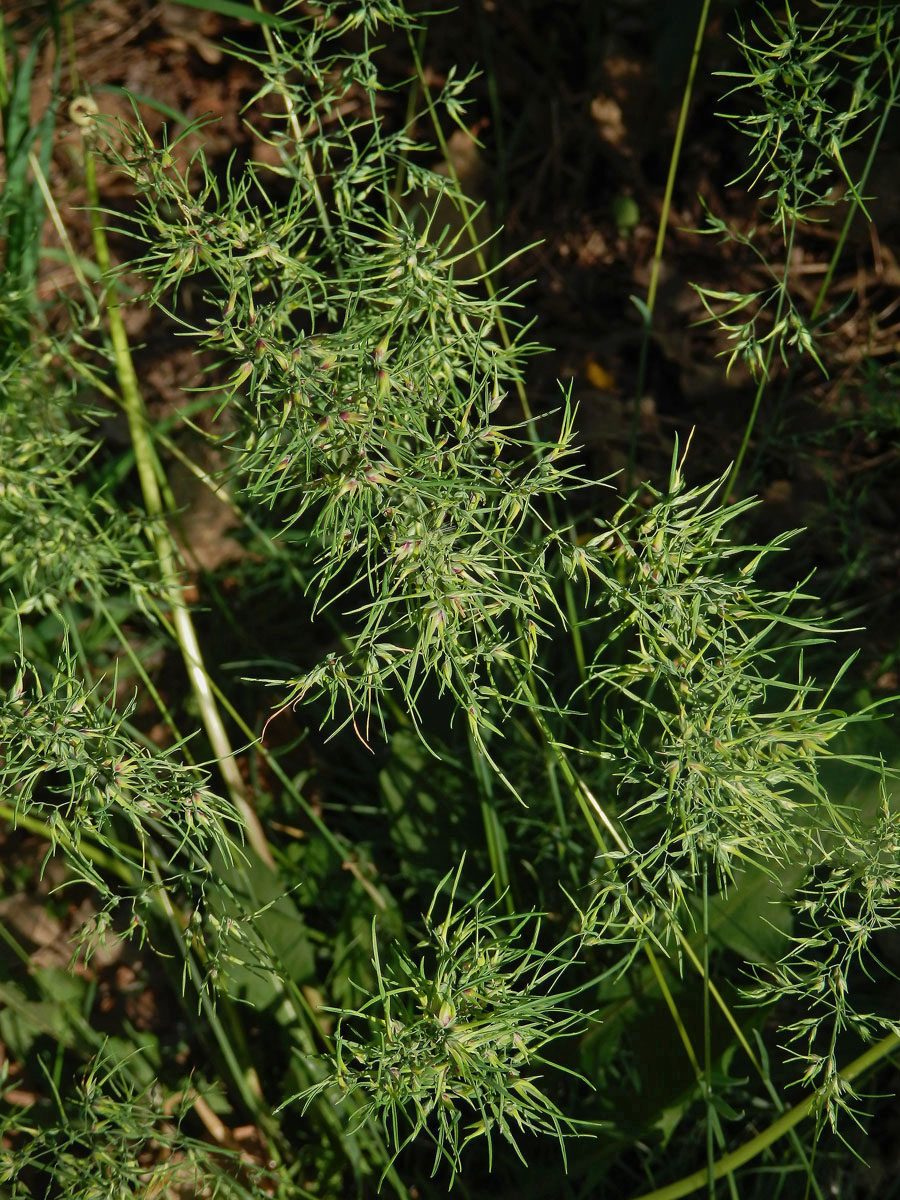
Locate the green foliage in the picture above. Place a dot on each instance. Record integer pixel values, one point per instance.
(817, 84)
(370, 377)
(104, 799)
(839, 917)
(454, 1032)
(819, 87)
(113, 1141)
(702, 743)
(27, 151)
(57, 542)
(613, 724)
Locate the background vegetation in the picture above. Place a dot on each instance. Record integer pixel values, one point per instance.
(425, 763)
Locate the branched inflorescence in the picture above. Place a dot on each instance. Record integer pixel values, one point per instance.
(368, 377)
(451, 1043)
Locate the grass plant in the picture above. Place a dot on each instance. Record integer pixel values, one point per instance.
(554, 787)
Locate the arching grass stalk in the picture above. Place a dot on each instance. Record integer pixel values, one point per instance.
(647, 308)
(84, 113)
(220, 698)
(788, 1121)
(184, 631)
